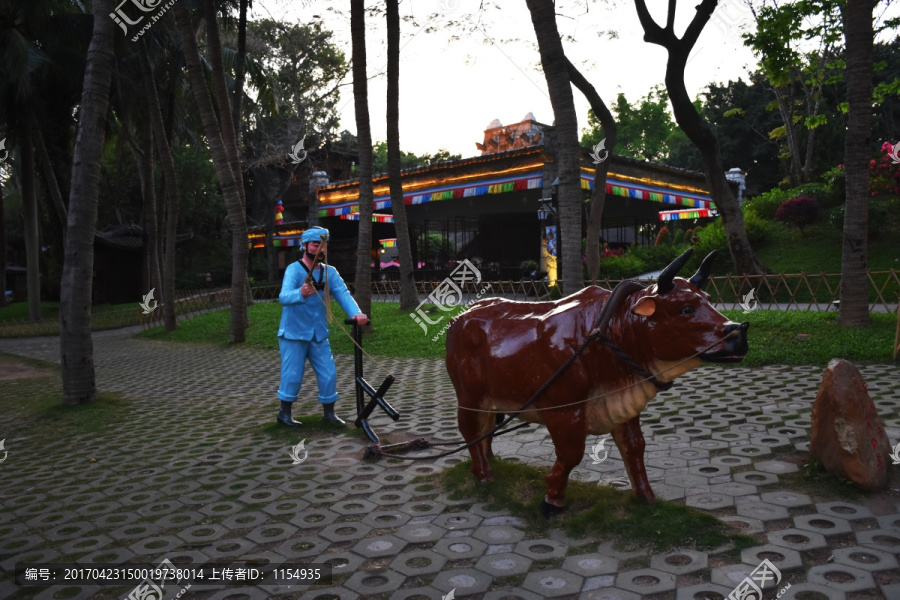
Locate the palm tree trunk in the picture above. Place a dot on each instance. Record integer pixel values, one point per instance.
(240, 67)
(75, 345)
(224, 172)
(568, 153)
(409, 298)
(697, 129)
(47, 168)
(171, 187)
(143, 157)
(598, 194)
(30, 218)
(2, 251)
(363, 280)
(854, 310)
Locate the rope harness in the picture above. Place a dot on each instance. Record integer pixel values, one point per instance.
(622, 290)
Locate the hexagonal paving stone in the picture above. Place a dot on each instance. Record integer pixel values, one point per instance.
(824, 524)
(390, 497)
(314, 517)
(465, 581)
(511, 594)
(762, 511)
(841, 577)
(553, 583)
(418, 593)
(341, 563)
(155, 546)
(890, 522)
(784, 559)
(646, 581)
(731, 575)
(542, 549)
(383, 519)
(459, 520)
(777, 467)
(457, 548)
(590, 565)
(422, 507)
(499, 535)
(844, 510)
(786, 499)
(273, 532)
(202, 533)
(361, 487)
(746, 525)
(421, 562)
(374, 582)
(228, 548)
(503, 565)
(797, 539)
(880, 539)
(814, 590)
(867, 559)
(420, 533)
(710, 501)
(322, 495)
(383, 545)
(755, 478)
(702, 591)
(353, 507)
(733, 488)
(750, 450)
(708, 470)
(680, 562)
(730, 461)
(609, 593)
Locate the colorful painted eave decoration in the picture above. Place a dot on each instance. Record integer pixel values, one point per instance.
(376, 218)
(279, 241)
(648, 191)
(388, 242)
(675, 215)
(529, 181)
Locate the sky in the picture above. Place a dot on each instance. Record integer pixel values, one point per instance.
(455, 80)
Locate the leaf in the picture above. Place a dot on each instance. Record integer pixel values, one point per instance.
(738, 112)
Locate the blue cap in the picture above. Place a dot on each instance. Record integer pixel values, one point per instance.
(314, 234)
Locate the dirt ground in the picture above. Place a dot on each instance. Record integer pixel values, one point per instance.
(13, 369)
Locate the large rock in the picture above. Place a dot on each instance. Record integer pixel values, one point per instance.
(848, 437)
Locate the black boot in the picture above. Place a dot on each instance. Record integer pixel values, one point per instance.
(284, 415)
(329, 414)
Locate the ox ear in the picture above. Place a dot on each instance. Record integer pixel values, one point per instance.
(645, 307)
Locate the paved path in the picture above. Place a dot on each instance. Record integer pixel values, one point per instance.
(187, 467)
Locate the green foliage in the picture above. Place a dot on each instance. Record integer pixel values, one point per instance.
(639, 259)
(408, 160)
(712, 237)
(622, 266)
(592, 509)
(642, 129)
(882, 217)
(678, 238)
(434, 246)
(765, 205)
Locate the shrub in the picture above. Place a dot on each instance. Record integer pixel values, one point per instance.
(766, 205)
(712, 237)
(678, 238)
(663, 237)
(799, 212)
(820, 192)
(622, 266)
(880, 217)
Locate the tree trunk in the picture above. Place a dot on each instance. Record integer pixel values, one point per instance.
(240, 67)
(409, 297)
(697, 129)
(2, 251)
(224, 172)
(143, 157)
(363, 281)
(30, 218)
(556, 70)
(598, 194)
(854, 310)
(47, 167)
(75, 344)
(171, 186)
(786, 109)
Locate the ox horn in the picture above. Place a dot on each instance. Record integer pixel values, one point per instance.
(702, 275)
(666, 283)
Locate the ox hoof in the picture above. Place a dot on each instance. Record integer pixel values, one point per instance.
(550, 510)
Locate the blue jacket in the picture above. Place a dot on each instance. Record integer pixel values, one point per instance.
(305, 318)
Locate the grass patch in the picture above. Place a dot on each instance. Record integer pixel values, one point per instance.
(593, 510)
(109, 409)
(773, 335)
(773, 338)
(313, 426)
(817, 482)
(394, 332)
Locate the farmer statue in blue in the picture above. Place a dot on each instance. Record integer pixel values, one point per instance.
(306, 295)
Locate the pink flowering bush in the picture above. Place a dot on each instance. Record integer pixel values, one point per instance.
(884, 174)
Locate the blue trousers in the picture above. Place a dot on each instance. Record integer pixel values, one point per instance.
(294, 354)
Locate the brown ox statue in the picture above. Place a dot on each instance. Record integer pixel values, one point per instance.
(500, 352)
